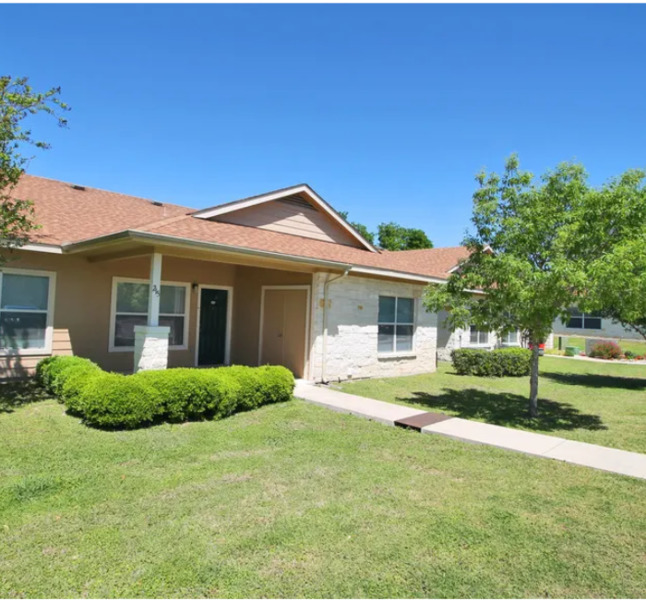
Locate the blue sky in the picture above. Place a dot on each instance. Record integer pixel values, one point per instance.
(387, 111)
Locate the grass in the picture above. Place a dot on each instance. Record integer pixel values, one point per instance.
(599, 403)
(293, 500)
(636, 346)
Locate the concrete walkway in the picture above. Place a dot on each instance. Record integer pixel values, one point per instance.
(536, 444)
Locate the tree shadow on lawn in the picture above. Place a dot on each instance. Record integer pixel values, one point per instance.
(17, 393)
(593, 380)
(501, 408)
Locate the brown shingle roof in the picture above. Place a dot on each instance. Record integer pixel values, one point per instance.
(434, 262)
(69, 215)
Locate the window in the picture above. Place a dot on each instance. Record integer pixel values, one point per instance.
(130, 308)
(579, 320)
(510, 338)
(26, 300)
(396, 324)
(478, 336)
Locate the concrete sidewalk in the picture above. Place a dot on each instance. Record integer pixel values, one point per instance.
(536, 444)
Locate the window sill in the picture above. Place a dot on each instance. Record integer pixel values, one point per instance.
(387, 355)
(25, 352)
(132, 348)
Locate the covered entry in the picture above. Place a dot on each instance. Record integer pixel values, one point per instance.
(284, 323)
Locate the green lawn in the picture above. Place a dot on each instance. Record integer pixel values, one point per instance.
(293, 500)
(599, 403)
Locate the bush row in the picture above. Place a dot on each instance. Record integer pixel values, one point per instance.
(112, 400)
(501, 362)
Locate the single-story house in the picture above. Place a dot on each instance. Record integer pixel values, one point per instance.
(471, 337)
(278, 278)
(593, 325)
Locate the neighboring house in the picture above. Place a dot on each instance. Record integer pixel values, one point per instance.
(592, 325)
(279, 278)
(472, 337)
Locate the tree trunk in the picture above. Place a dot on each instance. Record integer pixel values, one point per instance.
(533, 382)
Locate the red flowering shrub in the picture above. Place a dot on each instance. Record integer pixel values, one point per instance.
(607, 350)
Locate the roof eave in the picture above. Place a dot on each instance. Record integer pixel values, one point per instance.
(147, 236)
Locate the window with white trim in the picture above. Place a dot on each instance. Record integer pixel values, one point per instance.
(478, 337)
(25, 311)
(130, 308)
(510, 338)
(580, 320)
(396, 323)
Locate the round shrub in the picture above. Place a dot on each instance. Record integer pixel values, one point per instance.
(277, 383)
(112, 400)
(70, 385)
(501, 362)
(42, 370)
(606, 350)
(251, 393)
(53, 368)
(193, 393)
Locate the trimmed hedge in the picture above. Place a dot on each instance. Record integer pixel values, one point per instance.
(501, 362)
(111, 400)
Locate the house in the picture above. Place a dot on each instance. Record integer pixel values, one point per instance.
(277, 278)
(472, 337)
(592, 325)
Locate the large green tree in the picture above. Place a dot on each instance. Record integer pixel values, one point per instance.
(525, 268)
(360, 227)
(614, 232)
(395, 237)
(18, 101)
(392, 237)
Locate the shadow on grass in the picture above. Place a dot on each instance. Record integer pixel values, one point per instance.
(593, 380)
(17, 393)
(506, 409)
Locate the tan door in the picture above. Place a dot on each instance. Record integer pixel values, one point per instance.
(284, 329)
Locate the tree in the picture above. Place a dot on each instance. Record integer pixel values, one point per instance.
(526, 263)
(615, 230)
(361, 229)
(17, 102)
(395, 237)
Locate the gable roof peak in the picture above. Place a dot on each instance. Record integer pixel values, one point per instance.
(283, 194)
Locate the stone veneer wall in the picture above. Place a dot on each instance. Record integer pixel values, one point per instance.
(353, 307)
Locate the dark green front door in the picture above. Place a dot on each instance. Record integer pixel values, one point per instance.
(213, 327)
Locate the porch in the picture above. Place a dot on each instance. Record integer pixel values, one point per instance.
(153, 307)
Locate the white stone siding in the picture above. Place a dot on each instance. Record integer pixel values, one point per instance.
(151, 347)
(609, 329)
(352, 330)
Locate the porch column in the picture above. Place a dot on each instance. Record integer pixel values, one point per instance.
(151, 340)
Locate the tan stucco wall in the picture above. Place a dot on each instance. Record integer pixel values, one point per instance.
(83, 296)
(246, 308)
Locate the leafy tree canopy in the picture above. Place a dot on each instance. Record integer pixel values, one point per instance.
(392, 236)
(18, 101)
(614, 232)
(362, 229)
(525, 264)
(395, 237)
